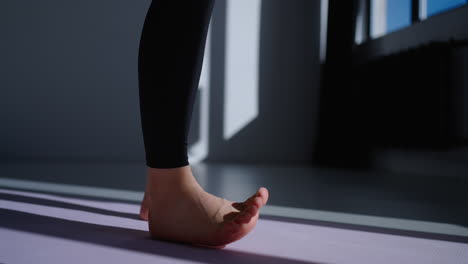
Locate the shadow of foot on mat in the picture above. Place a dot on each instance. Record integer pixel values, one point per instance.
(128, 239)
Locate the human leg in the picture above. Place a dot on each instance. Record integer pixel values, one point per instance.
(170, 59)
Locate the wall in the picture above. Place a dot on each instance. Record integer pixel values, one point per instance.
(68, 78)
(285, 128)
(69, 82)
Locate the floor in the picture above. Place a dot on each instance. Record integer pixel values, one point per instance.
(79, 212)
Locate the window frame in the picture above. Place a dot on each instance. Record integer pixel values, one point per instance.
(441, 27)
(417, 7)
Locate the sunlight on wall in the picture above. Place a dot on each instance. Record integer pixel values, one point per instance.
(242, 56)
(359, 34)
(323, 29)
(199, 150)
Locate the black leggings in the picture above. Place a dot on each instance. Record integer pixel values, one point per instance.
(170, 59)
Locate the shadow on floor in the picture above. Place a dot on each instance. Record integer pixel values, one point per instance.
(65, 205)
(128, 239)
(372, 229)
(429, 198)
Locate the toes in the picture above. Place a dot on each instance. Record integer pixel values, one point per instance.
(239, 206)
(249, 201)
(247, 215)
(258, 202)
(264, 194)
(252, 211)
(242, 223)
(232, 227)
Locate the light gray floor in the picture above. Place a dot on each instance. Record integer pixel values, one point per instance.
(73, 212)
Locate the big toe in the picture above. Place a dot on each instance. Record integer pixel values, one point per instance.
(251, 207)
(259, 199)
(243, 223)
(263, 194)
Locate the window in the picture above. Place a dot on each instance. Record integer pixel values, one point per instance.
(389, 15)
(380, 17)
(437, 6)
(398, 14)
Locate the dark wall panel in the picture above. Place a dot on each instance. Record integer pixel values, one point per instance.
(69, 82)
(69, 79)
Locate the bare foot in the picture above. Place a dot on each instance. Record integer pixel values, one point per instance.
(144, 207)
(180, 210)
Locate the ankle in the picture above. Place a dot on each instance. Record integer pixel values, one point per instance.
(171, 179)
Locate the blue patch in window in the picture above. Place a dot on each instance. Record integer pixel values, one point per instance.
(398, 14)
(438, 6)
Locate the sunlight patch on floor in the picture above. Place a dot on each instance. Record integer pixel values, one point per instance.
(272, 210)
